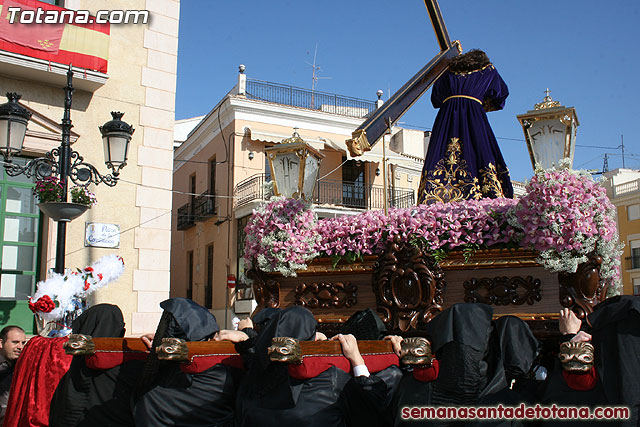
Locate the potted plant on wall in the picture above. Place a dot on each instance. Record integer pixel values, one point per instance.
(49, 192)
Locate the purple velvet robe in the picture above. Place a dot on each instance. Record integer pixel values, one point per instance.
(463, 160)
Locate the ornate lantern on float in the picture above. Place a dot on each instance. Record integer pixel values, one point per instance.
(294, 166)
(550, 132)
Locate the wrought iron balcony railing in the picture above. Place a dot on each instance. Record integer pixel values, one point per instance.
(311, 100)
(204, 206)
(346, 194)
(186, 219)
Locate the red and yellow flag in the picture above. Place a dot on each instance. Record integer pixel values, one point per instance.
(83, 45)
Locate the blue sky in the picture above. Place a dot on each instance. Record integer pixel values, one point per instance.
(585, 51)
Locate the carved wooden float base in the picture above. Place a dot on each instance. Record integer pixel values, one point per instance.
(407, 287)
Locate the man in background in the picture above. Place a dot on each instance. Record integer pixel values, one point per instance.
(12, 340)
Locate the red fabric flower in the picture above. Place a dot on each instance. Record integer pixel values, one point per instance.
(43, 305)
(100, 276)
(88, 269)
(86, 285)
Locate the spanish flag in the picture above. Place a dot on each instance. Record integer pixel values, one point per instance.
(83, 45)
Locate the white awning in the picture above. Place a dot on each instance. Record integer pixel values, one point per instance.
(319, 143)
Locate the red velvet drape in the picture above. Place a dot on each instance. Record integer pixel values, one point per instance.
(38, 371)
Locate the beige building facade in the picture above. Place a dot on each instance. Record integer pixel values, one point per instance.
(221, 168)
(623, 189)
(141, 82)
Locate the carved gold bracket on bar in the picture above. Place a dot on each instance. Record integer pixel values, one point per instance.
(79, 345)
(416, 351)
(170, 348)
(576, 356)
(83, 345)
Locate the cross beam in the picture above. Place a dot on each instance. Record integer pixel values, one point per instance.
(369, 132)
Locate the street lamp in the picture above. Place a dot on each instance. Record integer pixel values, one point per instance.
(62, 161)
(294, 166)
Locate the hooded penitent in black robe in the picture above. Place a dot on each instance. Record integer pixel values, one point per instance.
(165, 395)
(616, 337)
(519, 350)
(88, 397)
(467, 347)
(268, 396)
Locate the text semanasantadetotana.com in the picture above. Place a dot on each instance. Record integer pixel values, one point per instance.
(521, 412)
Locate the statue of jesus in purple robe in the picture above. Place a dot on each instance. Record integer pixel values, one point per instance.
(463, 160)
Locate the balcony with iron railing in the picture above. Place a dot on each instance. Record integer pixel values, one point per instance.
(186, 218)
(308, 99)
(344, 194)
(202, 207)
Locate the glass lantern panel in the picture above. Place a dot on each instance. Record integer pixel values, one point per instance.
(4, 124)
(18, 131)
(547, 142)
(287, 173)
(310, 175)
(115, 148)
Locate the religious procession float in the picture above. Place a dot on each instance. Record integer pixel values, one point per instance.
(467, 241)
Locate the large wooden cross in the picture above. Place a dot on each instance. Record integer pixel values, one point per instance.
(369, 132)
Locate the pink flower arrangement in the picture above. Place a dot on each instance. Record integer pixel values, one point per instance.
(281, 236)
(566, 216)
(437, 226)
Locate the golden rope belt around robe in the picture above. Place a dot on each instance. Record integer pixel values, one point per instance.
(462, 96)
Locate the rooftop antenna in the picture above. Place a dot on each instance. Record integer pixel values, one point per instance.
(622, 147)
(314, 75)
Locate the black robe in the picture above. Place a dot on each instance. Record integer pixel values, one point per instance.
(166, 396)
(467, 347)
(88, 397)
(615, 325)
(268, 396)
